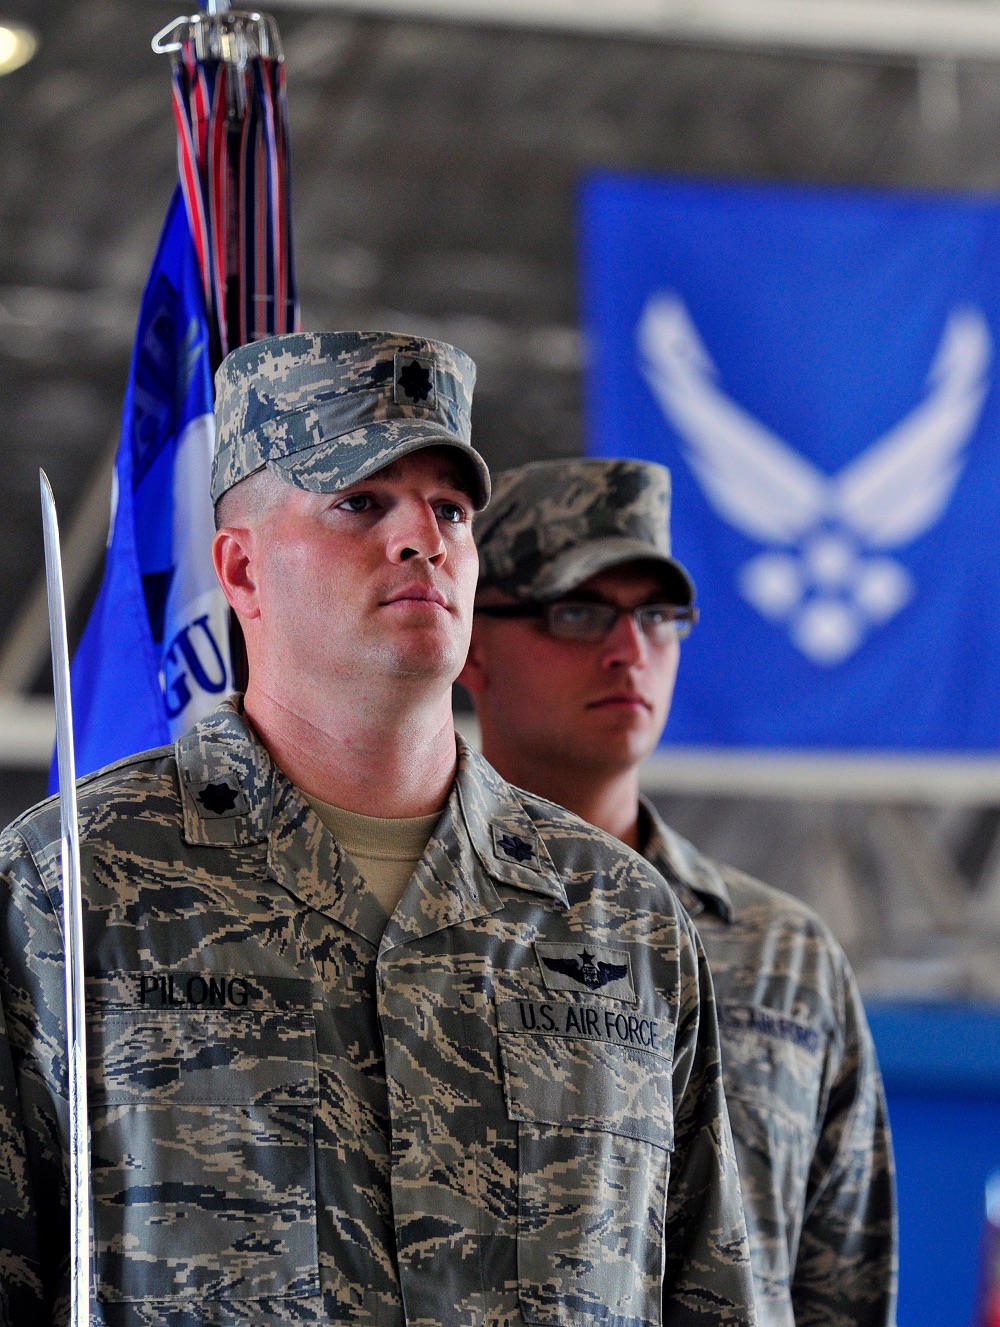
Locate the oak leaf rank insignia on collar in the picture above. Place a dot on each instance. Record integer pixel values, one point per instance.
(512, 847)
(222, 799)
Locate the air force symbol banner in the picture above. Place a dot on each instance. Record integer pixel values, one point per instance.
(819, 371)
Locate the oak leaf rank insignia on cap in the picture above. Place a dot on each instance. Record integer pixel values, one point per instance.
(325, 410)
(414, 381)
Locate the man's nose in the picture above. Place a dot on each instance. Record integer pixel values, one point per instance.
(625, 646)
(414, 533)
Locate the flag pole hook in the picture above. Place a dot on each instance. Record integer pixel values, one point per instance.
(221, 33)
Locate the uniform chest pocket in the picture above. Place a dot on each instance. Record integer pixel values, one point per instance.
(202, 1141)
(773, 1069)
(773, 1061)
(593, 1100)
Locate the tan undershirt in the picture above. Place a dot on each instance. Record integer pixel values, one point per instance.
(385, 852)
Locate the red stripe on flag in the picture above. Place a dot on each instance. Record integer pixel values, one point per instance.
(201, 109)
(260, 291)
(235, 176)
(244, 239)
(191, 188)
(217, 174)
(276, 264)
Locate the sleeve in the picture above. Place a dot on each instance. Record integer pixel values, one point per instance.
(708, 1278)
(34, 1214)
(845, 1272)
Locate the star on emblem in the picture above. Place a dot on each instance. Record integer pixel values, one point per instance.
(415, 381)
(515, 847)
(218, 798)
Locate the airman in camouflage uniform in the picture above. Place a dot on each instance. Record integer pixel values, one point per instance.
(501, 1105)
(802, 1083)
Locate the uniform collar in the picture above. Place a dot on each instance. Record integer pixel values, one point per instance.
(694, 877)
(484, 838)
(502, 833)
(234, 795)
(228, 781)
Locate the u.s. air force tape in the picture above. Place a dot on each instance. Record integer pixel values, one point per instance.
(613, 1027)
(769, 1023)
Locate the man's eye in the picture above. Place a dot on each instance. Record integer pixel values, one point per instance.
(452, 512)
(576, 615)
(357, 502)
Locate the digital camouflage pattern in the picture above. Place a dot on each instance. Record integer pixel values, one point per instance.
(553, 524)
(328, 409)
(802, 1083)
(804, 1095)
(502, 1107)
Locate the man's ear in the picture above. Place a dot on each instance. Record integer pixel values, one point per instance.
(473, 676)
(232, 554)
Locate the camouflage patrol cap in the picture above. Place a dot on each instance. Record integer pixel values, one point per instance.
(553, 524)
(327, 409)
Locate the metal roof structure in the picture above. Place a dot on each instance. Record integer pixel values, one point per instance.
(949, 29)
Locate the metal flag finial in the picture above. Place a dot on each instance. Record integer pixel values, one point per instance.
(235, 36)
(72, 923)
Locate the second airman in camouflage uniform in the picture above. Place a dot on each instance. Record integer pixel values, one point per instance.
(571, 716)
(499, 1105)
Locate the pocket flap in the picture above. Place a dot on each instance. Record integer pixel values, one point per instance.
(219, 1041)
(588, 1066)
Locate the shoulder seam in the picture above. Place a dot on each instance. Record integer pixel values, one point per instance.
(14, 828)
(566, 817)
(138, 758)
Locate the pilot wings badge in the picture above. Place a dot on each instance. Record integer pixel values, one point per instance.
(576, 967)
(825, 573)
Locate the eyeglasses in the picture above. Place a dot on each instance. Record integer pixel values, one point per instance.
(571, 619)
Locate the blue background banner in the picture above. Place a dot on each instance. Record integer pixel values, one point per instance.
(941, 1069)
(818, 368)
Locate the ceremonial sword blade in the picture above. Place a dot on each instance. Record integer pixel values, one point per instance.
(76, 1038)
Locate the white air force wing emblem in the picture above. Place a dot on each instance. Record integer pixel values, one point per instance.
(825, 573)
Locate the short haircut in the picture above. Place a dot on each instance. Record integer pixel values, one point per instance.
(249, 499)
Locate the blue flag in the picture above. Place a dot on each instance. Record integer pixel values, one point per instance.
(818, 369)
(155, 655)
